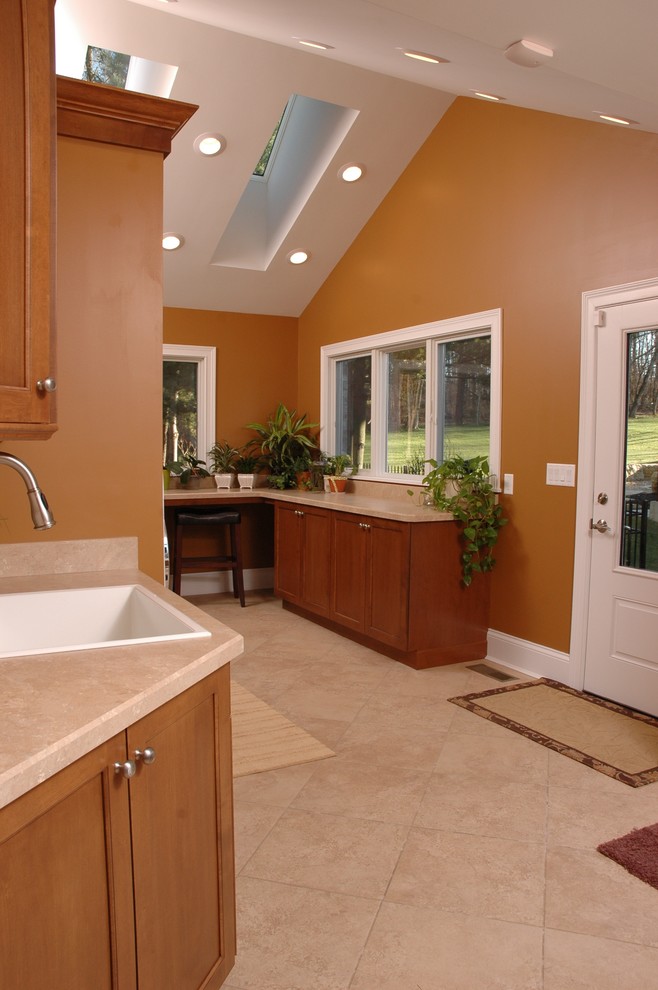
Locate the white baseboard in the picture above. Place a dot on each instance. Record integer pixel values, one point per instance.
(527, 657)
(219, 582)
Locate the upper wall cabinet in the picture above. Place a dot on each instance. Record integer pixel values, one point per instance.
(27, 179)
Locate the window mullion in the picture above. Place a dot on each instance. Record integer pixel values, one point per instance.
(379, 412)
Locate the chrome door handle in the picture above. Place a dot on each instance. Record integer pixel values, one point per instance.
(146, 755)
(127, 769)
(600, 525)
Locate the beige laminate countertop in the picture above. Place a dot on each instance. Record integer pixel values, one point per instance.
(56, 707)
(403, 509)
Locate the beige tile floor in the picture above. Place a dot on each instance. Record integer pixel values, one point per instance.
(435, 851)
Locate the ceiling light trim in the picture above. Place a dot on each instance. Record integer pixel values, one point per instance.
(171, 241)
(209, 144)
(424, 56)
(351, 172)
(319, 45)
(298, 257)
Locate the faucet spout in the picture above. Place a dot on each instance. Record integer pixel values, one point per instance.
(42, 517)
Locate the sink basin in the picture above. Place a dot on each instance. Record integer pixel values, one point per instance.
(88, 619)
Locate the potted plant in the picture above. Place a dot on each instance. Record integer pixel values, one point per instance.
(222, 462)
(189, 469)
(302, 467)
(248, 465)
(334, 474)
(463, 487)
(282, 441)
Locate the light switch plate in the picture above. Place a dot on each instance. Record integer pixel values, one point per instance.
(563, 475)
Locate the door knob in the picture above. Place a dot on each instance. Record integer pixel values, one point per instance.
(146, 755)
(600, 525)
(128, 769)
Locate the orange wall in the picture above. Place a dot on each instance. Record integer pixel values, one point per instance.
(101, 470)
(256, 363)
(509, 208)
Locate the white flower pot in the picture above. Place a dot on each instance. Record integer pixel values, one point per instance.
(225, 480)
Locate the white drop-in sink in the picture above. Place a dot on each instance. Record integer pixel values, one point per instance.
(35, 622)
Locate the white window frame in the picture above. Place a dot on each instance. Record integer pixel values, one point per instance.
(378, 346)
(206, 360)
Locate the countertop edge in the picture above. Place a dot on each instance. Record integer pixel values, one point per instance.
(160, 679)
(394, 508)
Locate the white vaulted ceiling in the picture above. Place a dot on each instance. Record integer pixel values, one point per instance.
(240, 61)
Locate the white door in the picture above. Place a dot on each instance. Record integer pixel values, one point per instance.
(621, 661)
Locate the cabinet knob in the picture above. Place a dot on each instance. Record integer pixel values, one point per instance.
(146, 755)
(127, 769)
(46, 385)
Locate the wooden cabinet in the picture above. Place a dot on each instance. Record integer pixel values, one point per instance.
(303, 557)
(370, 577)
(393, 586)
(27, 173)
(117, 883)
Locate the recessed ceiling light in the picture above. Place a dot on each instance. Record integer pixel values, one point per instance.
(169, 1)
(488, 96)
(615, 120)
(423, 56)
(351, 172)
(209, 144)
(529, 54)
(315, 44)
(298, 257)
(171, 241)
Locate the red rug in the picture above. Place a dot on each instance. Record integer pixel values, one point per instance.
(637, 852)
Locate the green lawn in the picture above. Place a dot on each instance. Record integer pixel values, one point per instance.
(642, 443)
(406, 449)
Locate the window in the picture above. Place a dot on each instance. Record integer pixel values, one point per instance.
(188, 401)
(396, 399)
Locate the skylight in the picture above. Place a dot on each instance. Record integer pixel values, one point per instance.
(264, 160)
(96, 64)
(105, 66)
(298, 153)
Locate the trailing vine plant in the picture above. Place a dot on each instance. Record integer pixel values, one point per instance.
(462, 486)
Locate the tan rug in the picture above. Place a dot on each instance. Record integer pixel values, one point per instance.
(263, 739)
(607, 737)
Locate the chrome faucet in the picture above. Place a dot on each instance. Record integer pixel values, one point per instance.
(42, 517)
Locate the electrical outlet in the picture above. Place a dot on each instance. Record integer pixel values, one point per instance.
(562, 475)
(508, 484)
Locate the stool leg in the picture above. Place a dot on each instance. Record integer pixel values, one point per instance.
(236, 553)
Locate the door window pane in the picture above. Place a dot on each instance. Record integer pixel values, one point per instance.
(180, 420)
(353, 401)
(639, 545)
(405, 429)
(464, 382)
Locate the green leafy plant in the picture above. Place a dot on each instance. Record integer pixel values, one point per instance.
(188, 467)
(222, 457)
(283, 440)
(248, 464)
(336, 464)
(462, 486)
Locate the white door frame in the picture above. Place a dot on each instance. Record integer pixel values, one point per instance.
(592, 303)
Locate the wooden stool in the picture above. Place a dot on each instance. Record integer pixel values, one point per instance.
(218, 562)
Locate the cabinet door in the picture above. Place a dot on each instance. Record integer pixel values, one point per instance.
(387, 610)
(287, 555)
(27, 82)
(349, 582)
(182, 837)
(66, 882)
(315, 527)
